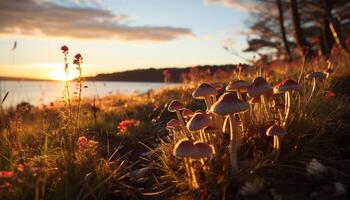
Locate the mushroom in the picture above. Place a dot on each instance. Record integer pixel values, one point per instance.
(198, 122)
(217, 85)
(206, 92)
(187, 114)
(286, 87)
(185, 149)
(314, 76)
(227, 105)
(260, 88)
(174, 126)
(278, 133)
(238, 86)
(215, 137)
(203, 150)
(176, 106)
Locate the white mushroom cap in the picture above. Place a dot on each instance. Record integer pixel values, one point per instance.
(287, 85)
(239, 85)
(276, 130)
(175, 105)
(198, 121)
(204, 150)
(184, 148)
(259, 87)
(228, 104)
(203, 91)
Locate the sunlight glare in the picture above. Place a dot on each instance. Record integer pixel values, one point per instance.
(59, 75)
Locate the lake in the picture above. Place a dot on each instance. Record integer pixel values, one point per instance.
(44, 92)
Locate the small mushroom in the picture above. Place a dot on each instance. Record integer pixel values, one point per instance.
(217, 85)
(278, 133)
(187, 114)
(198, 122)
(215, 137)
(238, 86)
(176, 106)
(206, 92)
(174, 125)
(185, 149)
(286, 87)
(227, 105)
(203, 150)
(260, 88)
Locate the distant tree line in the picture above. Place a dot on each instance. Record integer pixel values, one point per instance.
(164, 75)
(311, 27)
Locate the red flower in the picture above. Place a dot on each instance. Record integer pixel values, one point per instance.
(347, 41)
(78, 56)
(123, 125)
(330, 94)
(82, 142)
(64, 49)
(6, 174)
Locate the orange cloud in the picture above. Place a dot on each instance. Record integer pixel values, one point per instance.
(30, 17)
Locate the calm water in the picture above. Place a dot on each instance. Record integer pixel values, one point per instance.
(44, 92)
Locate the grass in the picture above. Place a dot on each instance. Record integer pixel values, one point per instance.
(75, 150)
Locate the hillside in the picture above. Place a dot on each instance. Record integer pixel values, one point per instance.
(154, 75)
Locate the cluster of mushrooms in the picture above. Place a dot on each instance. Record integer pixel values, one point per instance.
(199, 134)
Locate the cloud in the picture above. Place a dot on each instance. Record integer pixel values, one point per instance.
(243, 5)
(31, 17)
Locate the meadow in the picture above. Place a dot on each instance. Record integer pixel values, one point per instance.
(263, 131)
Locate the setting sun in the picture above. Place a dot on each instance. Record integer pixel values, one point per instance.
(59, 75)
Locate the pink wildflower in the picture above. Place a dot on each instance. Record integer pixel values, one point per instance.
(92, 144)
(330, 94)
(82, 142)
(123, 125)
(6, 174)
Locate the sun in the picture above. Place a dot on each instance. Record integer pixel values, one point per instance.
(59, 75)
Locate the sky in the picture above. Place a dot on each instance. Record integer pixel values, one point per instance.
(117, 35)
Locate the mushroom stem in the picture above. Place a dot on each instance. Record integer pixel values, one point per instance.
(274, 142)
(287, 108)
(202, 136)
(239, 95)
(242, 118)
(214, 99)
(312, 91)
(234, 137)
(212, 141)
(188, 171)
(194, 182)
(182, 122)
(264, 103)
(277, 148)
(208, 102)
